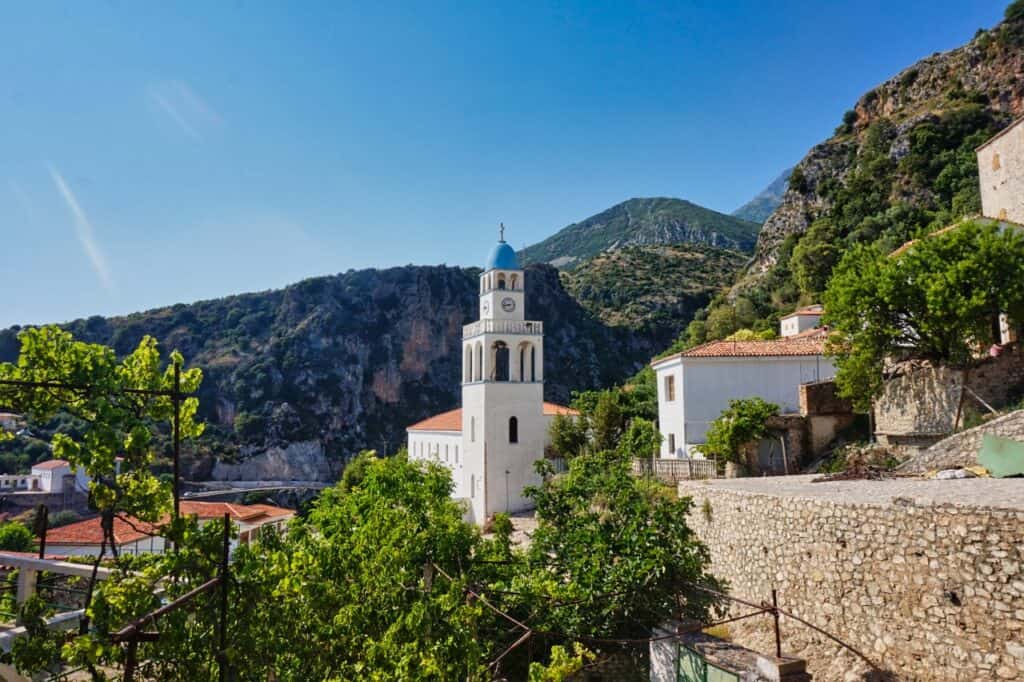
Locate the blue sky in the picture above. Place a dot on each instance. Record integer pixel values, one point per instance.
(154, 153)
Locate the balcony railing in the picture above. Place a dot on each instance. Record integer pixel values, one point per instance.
(673, 470)
(502, 327)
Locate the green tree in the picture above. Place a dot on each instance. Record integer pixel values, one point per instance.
(744, 421)
(641, 439)
(814, 256)
(568, 435)
(14, 537)
(939, 300)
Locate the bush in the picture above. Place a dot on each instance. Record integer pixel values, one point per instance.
(15, 537)
(744, 421)
(62, 518)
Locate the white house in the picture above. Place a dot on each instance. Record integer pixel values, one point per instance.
(83, 538)
(801, 320)
(695, 386)
(492, 442)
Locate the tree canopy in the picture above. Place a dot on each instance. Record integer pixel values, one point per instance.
(938, 300)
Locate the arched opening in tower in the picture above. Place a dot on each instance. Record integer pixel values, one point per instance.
(500, 354)
(513, 430)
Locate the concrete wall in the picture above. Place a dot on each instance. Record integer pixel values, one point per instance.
(929, 592)
(1001, 170)
(670, 412)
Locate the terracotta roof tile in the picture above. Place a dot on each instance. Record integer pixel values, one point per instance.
(89, 532)
(811, 310)
(809, 342)
(452, 420)
(51, 464)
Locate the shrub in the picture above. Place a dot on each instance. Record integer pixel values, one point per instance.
(15, 537)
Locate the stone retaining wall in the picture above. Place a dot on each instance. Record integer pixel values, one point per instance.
(928, 592)
(961, 449)
(922, 404)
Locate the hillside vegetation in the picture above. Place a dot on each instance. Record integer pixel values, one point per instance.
(900, 164)
(652, 287)
(642, 222)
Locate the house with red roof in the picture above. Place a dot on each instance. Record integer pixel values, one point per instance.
(490, 444)
(696, 385)
(132, 536)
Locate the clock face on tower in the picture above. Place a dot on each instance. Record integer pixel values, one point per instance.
(486, 307)
(508, 305)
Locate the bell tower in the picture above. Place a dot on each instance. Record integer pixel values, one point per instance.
(503, 423)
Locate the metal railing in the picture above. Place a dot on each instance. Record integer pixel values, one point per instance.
(502, 327)
(672, 470)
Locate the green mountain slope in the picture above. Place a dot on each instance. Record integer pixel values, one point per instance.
(642, 222)
(298, 380)
(900, 163)
(658, 288)
(764, 204)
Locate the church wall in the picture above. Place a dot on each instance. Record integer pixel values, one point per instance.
(443, 447)
(525, 402)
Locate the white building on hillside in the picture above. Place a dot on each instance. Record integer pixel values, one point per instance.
(696, 385)
(799, 321)
(491, 444)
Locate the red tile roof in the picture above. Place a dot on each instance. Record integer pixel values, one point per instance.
(452, 419)
(89, 532)
(811, 310)
(809, 342)
(127, 530)
(51, 464)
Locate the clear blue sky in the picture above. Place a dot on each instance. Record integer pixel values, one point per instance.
(154, 153)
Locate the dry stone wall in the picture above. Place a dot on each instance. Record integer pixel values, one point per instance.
(961, 450)
(926, 591)
(923, 401)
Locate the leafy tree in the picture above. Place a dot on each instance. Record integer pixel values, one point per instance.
(607, 422)
(814, 256)
(568, 435)
(355, 470)
(15, 537)
(751, 335)
(939, 301)
(744, 421)
(641, 439)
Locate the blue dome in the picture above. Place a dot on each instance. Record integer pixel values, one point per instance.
(503, 257)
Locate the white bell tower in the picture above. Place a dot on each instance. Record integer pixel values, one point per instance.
(503, 423)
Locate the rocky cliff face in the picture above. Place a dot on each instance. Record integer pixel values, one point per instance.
(988, 72)
(298, 380)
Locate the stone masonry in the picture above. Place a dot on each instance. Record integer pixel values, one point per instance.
(921, 404)
(961, 450)
(1001, 171)
(922, 576)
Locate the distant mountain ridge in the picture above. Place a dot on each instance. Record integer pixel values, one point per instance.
(642, 221)
(764, 204)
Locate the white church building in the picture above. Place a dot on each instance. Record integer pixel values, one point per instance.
(491, 443)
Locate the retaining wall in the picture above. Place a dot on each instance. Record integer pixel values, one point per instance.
(927, 591)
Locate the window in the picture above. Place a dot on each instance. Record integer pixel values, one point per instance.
(501, 281)
(472, 429)
(513, 430)
(472, 485)
(670, 388)
(671, 443)
(446, 452)
(456, 454)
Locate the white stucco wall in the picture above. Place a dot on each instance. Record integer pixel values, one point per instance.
(1001, 174)
(670, 412)
(704, 387)
(794, 324)
(443, 447)
(141, 546)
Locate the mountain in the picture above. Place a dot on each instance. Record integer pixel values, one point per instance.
(642, 221)
(300, 379)
(902, 160)
(655, 288)
(764, 204)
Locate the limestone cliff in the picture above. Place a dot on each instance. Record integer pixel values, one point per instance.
(987, 73)
(299, 379)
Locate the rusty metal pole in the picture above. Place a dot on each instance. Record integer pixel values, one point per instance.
(176, 403)
(42, 521)
(129, 664)
(222, 658)
(775, 616)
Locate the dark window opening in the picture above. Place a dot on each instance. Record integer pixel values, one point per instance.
(513, 430)
(501, 362)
